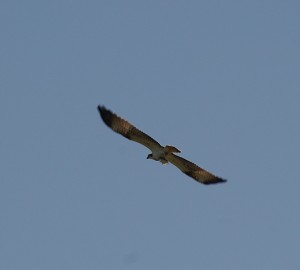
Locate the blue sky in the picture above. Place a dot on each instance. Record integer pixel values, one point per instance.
(219, 80)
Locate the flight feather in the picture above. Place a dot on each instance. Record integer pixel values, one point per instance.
(126, 129)
(193, 170)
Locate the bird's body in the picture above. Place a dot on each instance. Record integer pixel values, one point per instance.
(158, 152)
(161, 153)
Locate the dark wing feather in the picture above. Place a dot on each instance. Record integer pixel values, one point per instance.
(194, 171)
(126, 129)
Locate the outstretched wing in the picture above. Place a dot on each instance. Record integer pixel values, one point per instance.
(194, 171)
(126, 129)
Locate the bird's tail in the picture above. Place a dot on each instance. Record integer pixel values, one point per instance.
(171, 149)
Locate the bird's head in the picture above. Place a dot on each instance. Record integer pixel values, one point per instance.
(150, 156)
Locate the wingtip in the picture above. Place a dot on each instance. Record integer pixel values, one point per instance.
(105, 114)
(223, 180)
(100, 108)
(220, 180)
(217, 181)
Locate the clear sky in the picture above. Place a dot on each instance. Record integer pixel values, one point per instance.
(220, 80)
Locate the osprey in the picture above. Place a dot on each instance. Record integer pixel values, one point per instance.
(159, 153)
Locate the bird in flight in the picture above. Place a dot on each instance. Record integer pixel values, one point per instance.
(164, 154)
